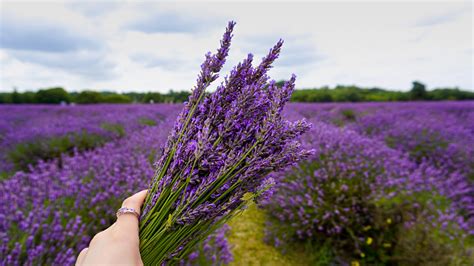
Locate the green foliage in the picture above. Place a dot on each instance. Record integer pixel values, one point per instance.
(385, 228)
(28, 97)
(88, 97)
(154, 97)
(419, 246)
(358, 94)
(347, 94)
(427, 143)
(58, 95)
(52, 95)
(385, 238)
(449, 94)
(248, 245)
(339, 93)
(418, 91)
(313, 95)
(320, 254)
(179, 96)
(24, 154)
(115, 98)
(426, 241)
(146, 121)
(152, 157)
(116, 129)
(5, 175)
(348, 114)
(5, 97)
(16, 97)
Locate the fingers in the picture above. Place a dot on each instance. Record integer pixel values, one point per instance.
(128, 221)
(120, 238)
(81, 257)
(135, 201)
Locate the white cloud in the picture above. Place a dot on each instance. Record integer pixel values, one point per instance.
(157, 46)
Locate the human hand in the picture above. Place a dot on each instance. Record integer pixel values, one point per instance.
(118, 244)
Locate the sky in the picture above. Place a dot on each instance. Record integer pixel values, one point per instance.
(144, 46)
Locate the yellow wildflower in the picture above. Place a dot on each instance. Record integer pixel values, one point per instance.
(389, 221)
(355, 263)
(369, 240)
(362, 255)
(387, 245)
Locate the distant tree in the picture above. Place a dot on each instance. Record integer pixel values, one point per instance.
(28, 97)
(280, 83)
(156, 97)
(418, 91)
(115, 98)
(16, 97)
(5, 97)
(341, 93)
(173, 96)
(400, 96)
(52, 95)
(135, 96)
(450, 94)
(88, 97)
(353, 95)
(347, 94)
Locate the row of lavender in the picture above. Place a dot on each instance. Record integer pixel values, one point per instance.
(37, 224)
(29, 133)
(42, 229)
(388, 184)
(357, 194)
(440, 133)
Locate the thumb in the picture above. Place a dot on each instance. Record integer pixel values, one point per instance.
(129, 221)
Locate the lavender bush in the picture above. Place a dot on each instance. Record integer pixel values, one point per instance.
(222, 146)
(59, 209)
(363, 199)
(50, 213)
(437, 134)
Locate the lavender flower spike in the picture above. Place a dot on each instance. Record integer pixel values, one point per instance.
(223, 146)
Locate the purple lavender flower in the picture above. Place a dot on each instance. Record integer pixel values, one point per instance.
(63, 205)
(28, 133)
(353, 184)
(222, 146)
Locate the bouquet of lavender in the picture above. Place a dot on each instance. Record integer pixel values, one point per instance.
(217, 157)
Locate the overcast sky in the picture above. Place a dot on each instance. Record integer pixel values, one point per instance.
(142, 46)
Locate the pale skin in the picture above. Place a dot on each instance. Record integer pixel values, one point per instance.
(118, 244)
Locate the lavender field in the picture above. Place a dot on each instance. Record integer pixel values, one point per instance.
(387, 184)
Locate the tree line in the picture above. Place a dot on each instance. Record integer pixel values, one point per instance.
(60, 95)
(325, 94)
(341, 93)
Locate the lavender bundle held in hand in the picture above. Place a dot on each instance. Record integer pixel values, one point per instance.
(222, 147)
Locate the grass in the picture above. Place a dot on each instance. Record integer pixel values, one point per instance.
(248, 247)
